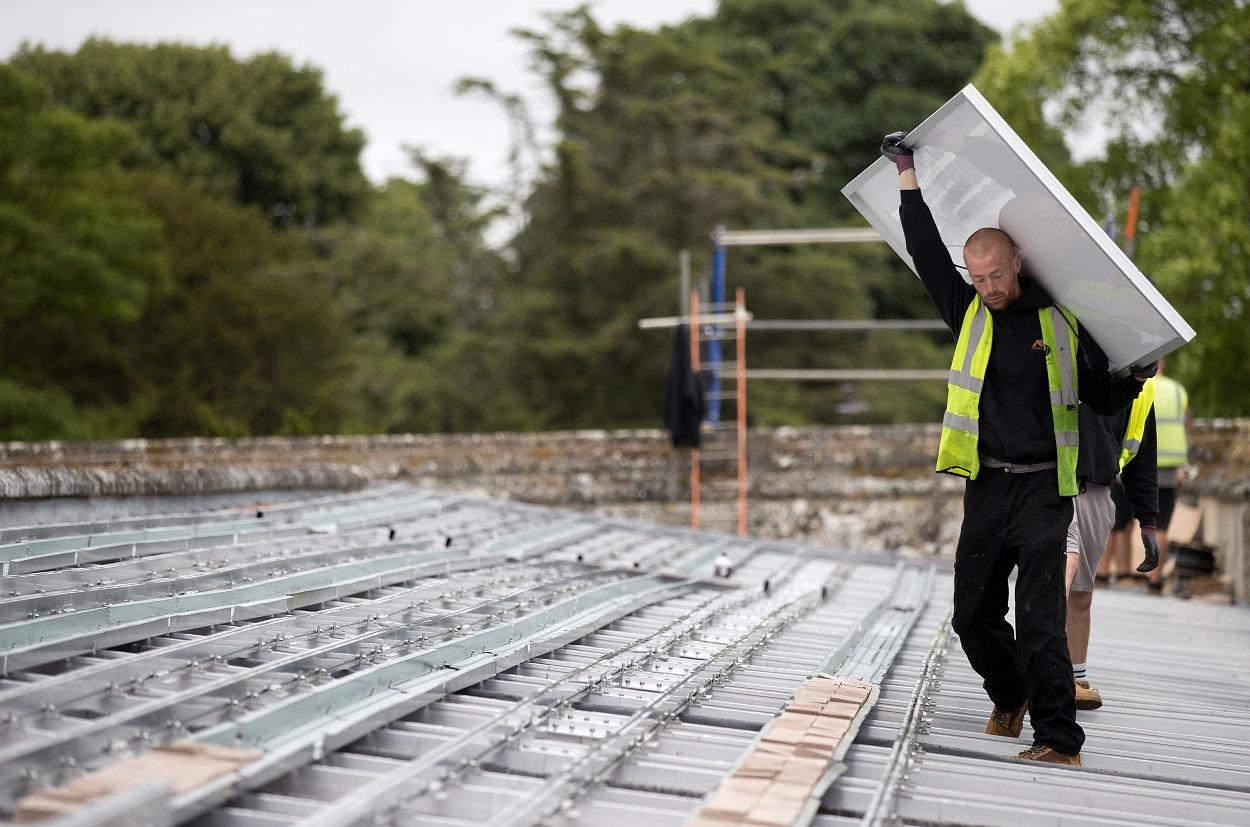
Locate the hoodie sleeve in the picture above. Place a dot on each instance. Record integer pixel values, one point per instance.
(947, 289)
(1105, 394)
(1141, 477)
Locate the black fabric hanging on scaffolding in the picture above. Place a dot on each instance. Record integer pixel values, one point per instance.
(683, 394)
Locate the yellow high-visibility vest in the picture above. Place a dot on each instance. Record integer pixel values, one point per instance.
(1171, 407)
(1137, 422)
(957, 452)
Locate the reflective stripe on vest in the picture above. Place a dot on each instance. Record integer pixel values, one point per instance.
(1171, 406)
(957, 452)
(1137, 423)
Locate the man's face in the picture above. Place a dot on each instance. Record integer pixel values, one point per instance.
(995, 273)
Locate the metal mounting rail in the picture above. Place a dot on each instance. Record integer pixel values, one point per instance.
(162, 658)
(172, 565)
(62, 548)
(40, 640)
(881, 809)
(604, 678)
(171, 571)
(651, 689)
(545, 706)
(226, 674)
(174, 702)
(560, 793)
(588, 661)
(527, 708)
(288, 509)
(869, 650)
(128, 547)
(345, 773)
(417, 682)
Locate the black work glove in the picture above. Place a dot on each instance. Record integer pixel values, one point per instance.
(1151, 543)
(892, 148)
(1144, 372)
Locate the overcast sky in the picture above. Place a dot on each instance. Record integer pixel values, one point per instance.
(392, 63)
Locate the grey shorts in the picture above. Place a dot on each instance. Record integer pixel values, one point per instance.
(1093, 514)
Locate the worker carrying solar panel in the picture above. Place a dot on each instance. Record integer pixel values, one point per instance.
(1120, 447)
(1020, 366)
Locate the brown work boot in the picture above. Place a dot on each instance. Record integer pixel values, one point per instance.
(1006, 724)
(1087, 698)
(1049, 755)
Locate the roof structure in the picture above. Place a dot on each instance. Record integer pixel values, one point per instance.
(402, 656)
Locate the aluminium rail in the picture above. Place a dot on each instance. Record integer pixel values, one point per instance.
(597, 677)
(310, 648)
(528, 708)
(592, 672)
(100, 705)
(84, 533)
(253, 590)
(585, 714)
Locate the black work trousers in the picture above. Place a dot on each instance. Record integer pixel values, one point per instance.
(1018, 521)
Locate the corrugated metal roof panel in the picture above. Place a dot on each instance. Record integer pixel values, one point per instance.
(592, 672)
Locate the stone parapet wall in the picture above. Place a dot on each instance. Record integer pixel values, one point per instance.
(558, 467)
(859, 486)
(564, 467)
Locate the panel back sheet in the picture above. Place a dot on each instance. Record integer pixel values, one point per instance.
(976, 172)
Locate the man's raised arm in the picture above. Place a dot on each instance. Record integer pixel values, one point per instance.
(949, 292)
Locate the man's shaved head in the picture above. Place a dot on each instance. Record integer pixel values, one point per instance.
(993, 266)
(987, 241)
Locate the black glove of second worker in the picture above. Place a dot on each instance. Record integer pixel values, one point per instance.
(1151, 544)
(892, 148)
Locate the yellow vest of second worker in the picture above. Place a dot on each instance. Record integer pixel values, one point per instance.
(1171, 406)
(1137, 422)
(957, 452)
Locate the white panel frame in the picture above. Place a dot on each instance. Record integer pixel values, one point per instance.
(877, 186)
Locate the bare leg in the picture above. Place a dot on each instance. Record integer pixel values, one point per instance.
(1156, 576)
(1118, 550)
(1079, 604)
(1104, 565)
(1073, 559)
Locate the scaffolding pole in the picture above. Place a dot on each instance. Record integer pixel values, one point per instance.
(713, 344)
(694, 451)
(741, 312)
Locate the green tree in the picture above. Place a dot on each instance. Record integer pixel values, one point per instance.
(752, 118)
(80, 260)
(245, 343)
(417, 281)
(835, 75)
(1171, 81)
(260, 131)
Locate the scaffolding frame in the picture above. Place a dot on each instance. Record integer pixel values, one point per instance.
(710, 320)
(722, 239)
(715, 322)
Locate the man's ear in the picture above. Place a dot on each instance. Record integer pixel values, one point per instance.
(1016, 263)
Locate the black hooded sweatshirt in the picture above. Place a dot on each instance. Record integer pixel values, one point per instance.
(683, 393)
(1015, 421)
(1099, 461)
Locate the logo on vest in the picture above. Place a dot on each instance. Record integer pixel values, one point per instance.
(1038, 344)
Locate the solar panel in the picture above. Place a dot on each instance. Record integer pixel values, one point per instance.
(975, 172)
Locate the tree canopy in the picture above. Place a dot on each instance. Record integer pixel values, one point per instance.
(78, 259)
(191, 247)
(1169, 82)
(153, 294)
(750, 118)
(260, 131)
